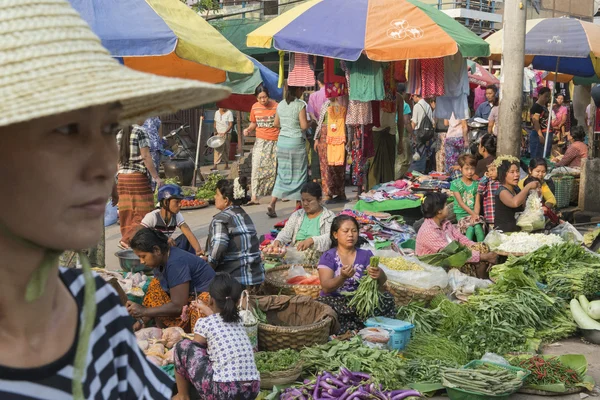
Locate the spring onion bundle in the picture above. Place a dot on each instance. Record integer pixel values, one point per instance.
(366, 299)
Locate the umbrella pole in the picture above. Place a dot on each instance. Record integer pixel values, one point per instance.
(198, 148)
(550, 112)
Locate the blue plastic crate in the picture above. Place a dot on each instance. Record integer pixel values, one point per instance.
(399, 330)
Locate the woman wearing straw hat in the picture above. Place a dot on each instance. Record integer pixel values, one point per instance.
(63, 332)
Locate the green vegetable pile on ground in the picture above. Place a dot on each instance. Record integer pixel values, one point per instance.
(431, 347)
(488, 381)
(425, 320)
(427, 370)
(273, 361)
(562, 267)
(386, 367)
(366, 298)
(209, 188)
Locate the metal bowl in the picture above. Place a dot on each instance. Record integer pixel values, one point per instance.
(591, 335)
(215, 142)
(130, 262)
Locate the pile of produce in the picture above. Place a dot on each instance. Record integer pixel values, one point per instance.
(547, 371)
(521, 242)
(453, 255)
(157, 344)
(485, 379)
(568, 269)
(585, 313)
(130, 283)
(400, 264)
(209, 189)
(275, 361)
(193, 203)
(346, 385)
(271, 251)
(425, 320)
(311, 256)
(435, 348)
(589, 237)
(429, 371)
(304, 280)
(384, 367)
(366, 298)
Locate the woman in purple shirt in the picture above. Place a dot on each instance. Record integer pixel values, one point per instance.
(340, 270)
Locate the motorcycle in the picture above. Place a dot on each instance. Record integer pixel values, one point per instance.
(478, 127)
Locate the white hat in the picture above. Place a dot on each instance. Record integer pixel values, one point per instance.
(51, 62)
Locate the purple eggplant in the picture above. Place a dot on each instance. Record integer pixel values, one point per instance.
(405, 394)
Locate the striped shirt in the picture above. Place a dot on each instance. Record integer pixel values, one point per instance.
(137, 140)
(116, 367)
(232, 246)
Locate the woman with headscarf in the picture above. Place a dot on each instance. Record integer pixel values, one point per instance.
(62, 97)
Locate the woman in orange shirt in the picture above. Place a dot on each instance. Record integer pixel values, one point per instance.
(264, 155)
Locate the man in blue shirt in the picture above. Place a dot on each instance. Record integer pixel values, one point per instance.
(484, 109)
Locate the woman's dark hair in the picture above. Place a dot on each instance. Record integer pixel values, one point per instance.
(226, 292)
(528, 180)
(489, 142)
(312, 188)
(543, 91)
(578, 133)
(433, 204)
(536, 162)
(146, 239)
(124, 147)
(337, 223)
(321, 77)
(290, 93)
(260, 89)
(504, 168)
(492, 87)
(226, 187)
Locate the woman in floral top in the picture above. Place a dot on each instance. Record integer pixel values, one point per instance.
(340, 270)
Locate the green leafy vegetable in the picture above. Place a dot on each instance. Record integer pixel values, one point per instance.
(366, 298)
(273, 361)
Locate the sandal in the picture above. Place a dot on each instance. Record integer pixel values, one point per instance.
(271, 213)
(285, 200)
(252, 203)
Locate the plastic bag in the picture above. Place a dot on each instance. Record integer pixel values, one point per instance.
(428, 278)
(297, 270)
(495, 358)
(568, 233)
(375, 337)
(111, 215)
(532, 219)
(249, 320)
(494, 239)
(465, 284)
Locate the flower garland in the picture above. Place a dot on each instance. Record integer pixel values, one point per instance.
(511, 159)
(238, 190)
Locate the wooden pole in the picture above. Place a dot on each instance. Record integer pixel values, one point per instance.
(511, 96)
(240, 146)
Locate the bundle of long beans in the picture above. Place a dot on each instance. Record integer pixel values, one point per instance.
(366, 299)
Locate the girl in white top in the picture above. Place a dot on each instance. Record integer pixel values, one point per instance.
(220, 361)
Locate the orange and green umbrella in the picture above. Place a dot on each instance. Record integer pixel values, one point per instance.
(384, 30)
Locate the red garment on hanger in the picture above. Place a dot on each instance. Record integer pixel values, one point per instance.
(432, 77)
(400, 71)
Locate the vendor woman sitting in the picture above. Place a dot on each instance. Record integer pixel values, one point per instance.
(179, 277)
(340, 270)
(310, 225)
(437, 232)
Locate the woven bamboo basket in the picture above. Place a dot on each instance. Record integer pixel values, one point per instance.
(270, 379)
(404, 294)
(273, 338)
(276, 282)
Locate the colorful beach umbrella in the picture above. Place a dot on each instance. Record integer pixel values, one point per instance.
(384, 30)
(566, 45)
(163, 37)
(242, 88)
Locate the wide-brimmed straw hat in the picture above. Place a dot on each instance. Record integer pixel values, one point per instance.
(51, 62)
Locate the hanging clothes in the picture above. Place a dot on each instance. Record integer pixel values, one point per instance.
(366, 80)
(301, 72)
(413, 83)
(358, 112)
(388, 104)
(446, 105)
(479, 97)
(334, 77)
(400, 71)
(336, 135)
(432, 77)
(456, 77)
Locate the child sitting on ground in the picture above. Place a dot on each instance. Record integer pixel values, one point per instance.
(487, 190)
(467, 200)
(220, 361)
(168, 218)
